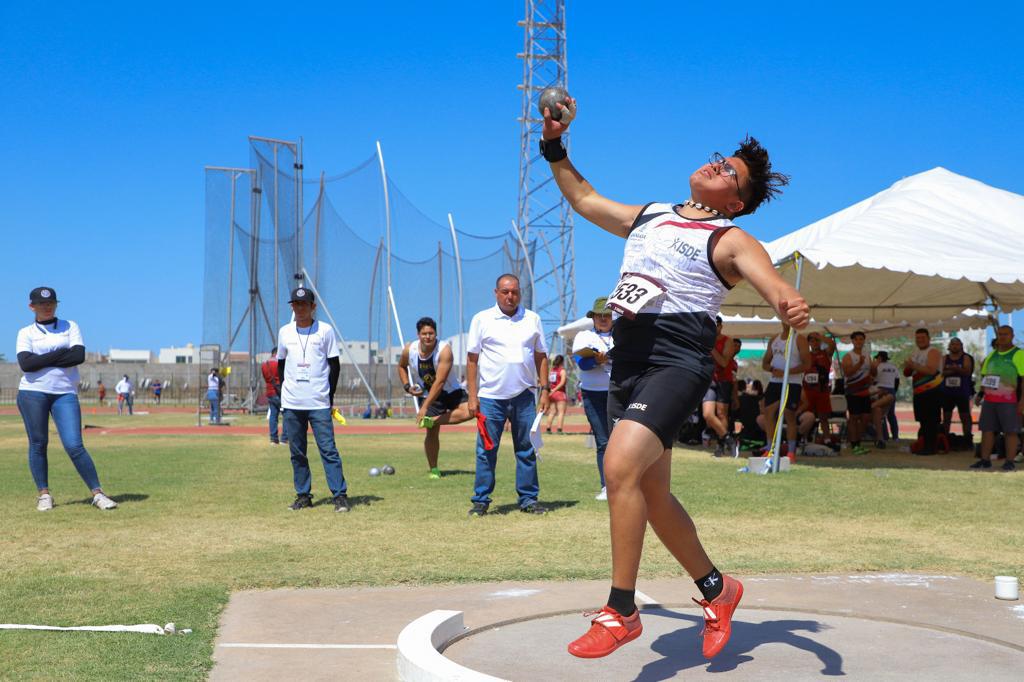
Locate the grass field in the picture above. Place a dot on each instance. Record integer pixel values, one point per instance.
(202, 516)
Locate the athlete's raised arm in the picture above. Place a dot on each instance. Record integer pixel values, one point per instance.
(610, 215)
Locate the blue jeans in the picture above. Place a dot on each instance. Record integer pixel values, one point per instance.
(273, 411)
(295, 425)
(521, 412)
(595, 405)
(127, 402)
(214, 398)
(36, 408)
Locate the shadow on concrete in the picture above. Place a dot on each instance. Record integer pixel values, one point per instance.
(120, 499)
(550, 506)
(681, 649)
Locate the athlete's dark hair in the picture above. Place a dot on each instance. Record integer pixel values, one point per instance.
(558, 361)
(501, 277)
(764, 184)
(273, 350)
(856, 334)
(922, 330)
(741, 385)
(718, 319)
(425, 322)
(1006, 326)
(758, 387)
(883, 356)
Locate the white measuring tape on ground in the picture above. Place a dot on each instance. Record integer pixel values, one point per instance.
(145, 628)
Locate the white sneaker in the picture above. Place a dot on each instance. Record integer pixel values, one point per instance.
(101, 501)
(603, 495)
(44, 502)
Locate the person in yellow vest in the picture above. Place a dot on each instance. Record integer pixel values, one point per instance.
(1001, 378)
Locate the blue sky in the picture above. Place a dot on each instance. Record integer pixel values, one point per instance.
(110, 111)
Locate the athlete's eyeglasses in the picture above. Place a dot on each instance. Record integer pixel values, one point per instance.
(723, 167)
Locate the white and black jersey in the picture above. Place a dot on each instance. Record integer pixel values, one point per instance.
(423, 370)
(677, 327)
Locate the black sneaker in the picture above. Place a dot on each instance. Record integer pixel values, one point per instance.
(732, 446)
(341, 504)
(533, 508)
(1008, 465)
(479, 509)
(880, 444)
(981, 464)
(301, 502)
(719, 449)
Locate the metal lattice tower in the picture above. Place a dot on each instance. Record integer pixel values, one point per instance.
(545, 217)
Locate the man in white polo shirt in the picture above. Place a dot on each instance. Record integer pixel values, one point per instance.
(308, 367)
(506, 355)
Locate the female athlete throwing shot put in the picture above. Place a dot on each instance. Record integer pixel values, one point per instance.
(680, 260)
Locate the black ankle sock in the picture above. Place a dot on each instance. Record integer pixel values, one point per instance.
(710, 585)
(622, 601)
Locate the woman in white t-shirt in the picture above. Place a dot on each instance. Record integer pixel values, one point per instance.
(49, 352)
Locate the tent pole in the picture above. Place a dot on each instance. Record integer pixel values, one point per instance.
(777, 444)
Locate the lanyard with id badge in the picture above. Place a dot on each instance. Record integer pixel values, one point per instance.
(632, 293)
(302, 369)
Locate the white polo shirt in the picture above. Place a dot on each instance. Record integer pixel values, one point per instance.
(596, 378)
(506, 346)
(123, 387)
(306, 383)
(886, 376)
(39, 339)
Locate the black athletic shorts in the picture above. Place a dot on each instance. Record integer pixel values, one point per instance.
(446, 402)
(660, 397)
(719, 392)
(773, 394)
(858, 404)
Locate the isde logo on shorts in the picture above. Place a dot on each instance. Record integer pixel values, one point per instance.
(638, 406)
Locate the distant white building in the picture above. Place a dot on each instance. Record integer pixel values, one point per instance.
(123, 355)
(178, 355)
(362, 352)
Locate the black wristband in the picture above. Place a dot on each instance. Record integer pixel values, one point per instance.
(407, 387)
(553, 150)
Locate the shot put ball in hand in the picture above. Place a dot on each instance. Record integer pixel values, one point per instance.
(550, 98)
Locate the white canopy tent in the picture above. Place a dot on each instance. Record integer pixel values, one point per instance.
(927, 248)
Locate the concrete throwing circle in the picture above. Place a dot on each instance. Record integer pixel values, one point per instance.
(765, 644)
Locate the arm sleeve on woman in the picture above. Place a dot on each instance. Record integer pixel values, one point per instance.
(72, 357)
(33, 362)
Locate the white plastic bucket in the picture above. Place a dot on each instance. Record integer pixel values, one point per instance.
(1007, 587)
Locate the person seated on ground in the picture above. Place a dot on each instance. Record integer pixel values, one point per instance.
(749, 413)
(817, 389)
(957, 388)
(368, 412)
(806, 420)
(858, 371)
(774, 361)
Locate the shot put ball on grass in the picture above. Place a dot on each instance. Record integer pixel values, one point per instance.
(550, 98)
(388, 470)
(375, 471)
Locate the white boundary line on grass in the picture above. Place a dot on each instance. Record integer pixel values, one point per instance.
(244, 645)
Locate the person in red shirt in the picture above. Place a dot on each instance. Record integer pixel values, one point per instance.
(817, 390)
(273, 393)
(715, 406)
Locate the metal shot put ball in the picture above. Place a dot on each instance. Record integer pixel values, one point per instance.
(375, 471)
(388, 470)
(550, 98)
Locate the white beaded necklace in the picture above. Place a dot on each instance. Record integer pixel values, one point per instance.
(702, 207)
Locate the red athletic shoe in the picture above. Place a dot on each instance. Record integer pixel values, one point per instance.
(718, 616)
(608, 631)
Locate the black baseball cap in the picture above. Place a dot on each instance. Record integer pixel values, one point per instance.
(43, 295)
(302, 294)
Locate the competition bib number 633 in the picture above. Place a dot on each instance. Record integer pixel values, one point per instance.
(991, 381)
(633, 292)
